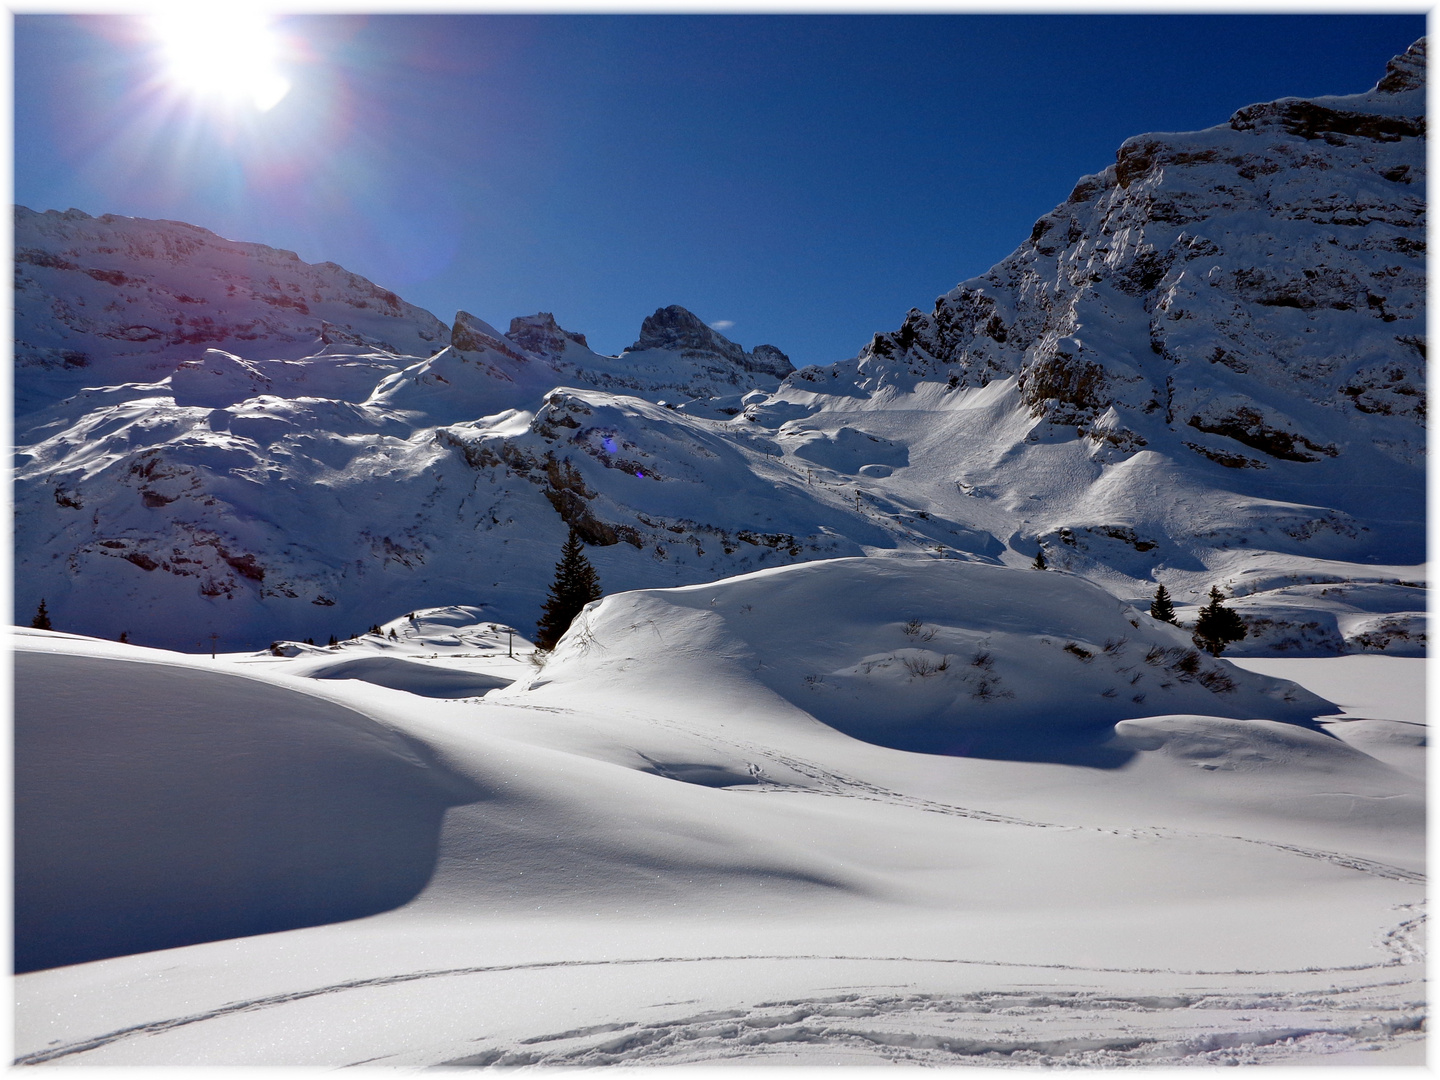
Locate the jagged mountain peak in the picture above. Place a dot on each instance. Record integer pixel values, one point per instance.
(540, 333)
(469, 333)
(1405, 72)
(675, 329)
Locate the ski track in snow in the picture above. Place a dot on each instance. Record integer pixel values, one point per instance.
(931, 1029)
(713, 1036)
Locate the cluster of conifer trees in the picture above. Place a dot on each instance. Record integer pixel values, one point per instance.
(1216, 627)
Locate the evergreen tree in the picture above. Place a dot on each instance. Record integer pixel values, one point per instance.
(1039, 563)
(1217, 626)
(41, 621)
(1161, 608)
(124, 637)
(575, 585)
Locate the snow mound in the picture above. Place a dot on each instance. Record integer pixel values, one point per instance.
(1215, 743)
(454, 625)
(160, 804)
(1261, 768)
(938, 656)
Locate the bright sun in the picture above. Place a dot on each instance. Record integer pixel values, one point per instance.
(229, 56)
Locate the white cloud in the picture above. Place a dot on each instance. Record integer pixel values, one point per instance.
(722, 324)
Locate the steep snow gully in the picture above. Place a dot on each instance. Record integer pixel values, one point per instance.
(834, 774)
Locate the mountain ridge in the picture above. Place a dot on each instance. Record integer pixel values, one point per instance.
(1197, 369)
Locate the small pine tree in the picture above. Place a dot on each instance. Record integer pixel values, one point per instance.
(393, 635)
(124, 638)
(1218, 625)
(1161, 608)
(333, 642)
(41, 621)
(576, 584)
(1040, 563)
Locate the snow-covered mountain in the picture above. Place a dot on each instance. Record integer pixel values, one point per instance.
(1207, 366)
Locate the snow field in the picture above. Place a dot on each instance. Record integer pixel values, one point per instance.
(655, 853)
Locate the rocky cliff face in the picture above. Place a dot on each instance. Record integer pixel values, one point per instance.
(1256, 289)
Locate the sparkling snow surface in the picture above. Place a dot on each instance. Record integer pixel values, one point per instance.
(688, 838)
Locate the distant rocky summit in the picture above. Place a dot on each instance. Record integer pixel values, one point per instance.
(676, 330)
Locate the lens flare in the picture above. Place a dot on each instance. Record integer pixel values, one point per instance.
(229, 57)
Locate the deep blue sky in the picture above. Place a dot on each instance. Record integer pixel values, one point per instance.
(808, 178)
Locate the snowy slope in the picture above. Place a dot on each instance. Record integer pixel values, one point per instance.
(1201, 369)
(934, 656)
(664, 848)
(1219, 338)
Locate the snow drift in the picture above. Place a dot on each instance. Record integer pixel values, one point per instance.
(160, 804)
(938, 656)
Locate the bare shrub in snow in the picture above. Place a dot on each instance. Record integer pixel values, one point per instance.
(1108, 692)
(1187, 664)
(1216, 681)
(1114, 645)
(1156, 656)
(983, 660)
(924, 666)
(1081, 653)
(988, 689)
(916, 629)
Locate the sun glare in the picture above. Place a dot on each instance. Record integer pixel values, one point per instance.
(229, 56)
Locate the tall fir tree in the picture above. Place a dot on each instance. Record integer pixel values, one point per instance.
(1161, 608)
(1217, 626)
(575, 585)
(41, 621)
